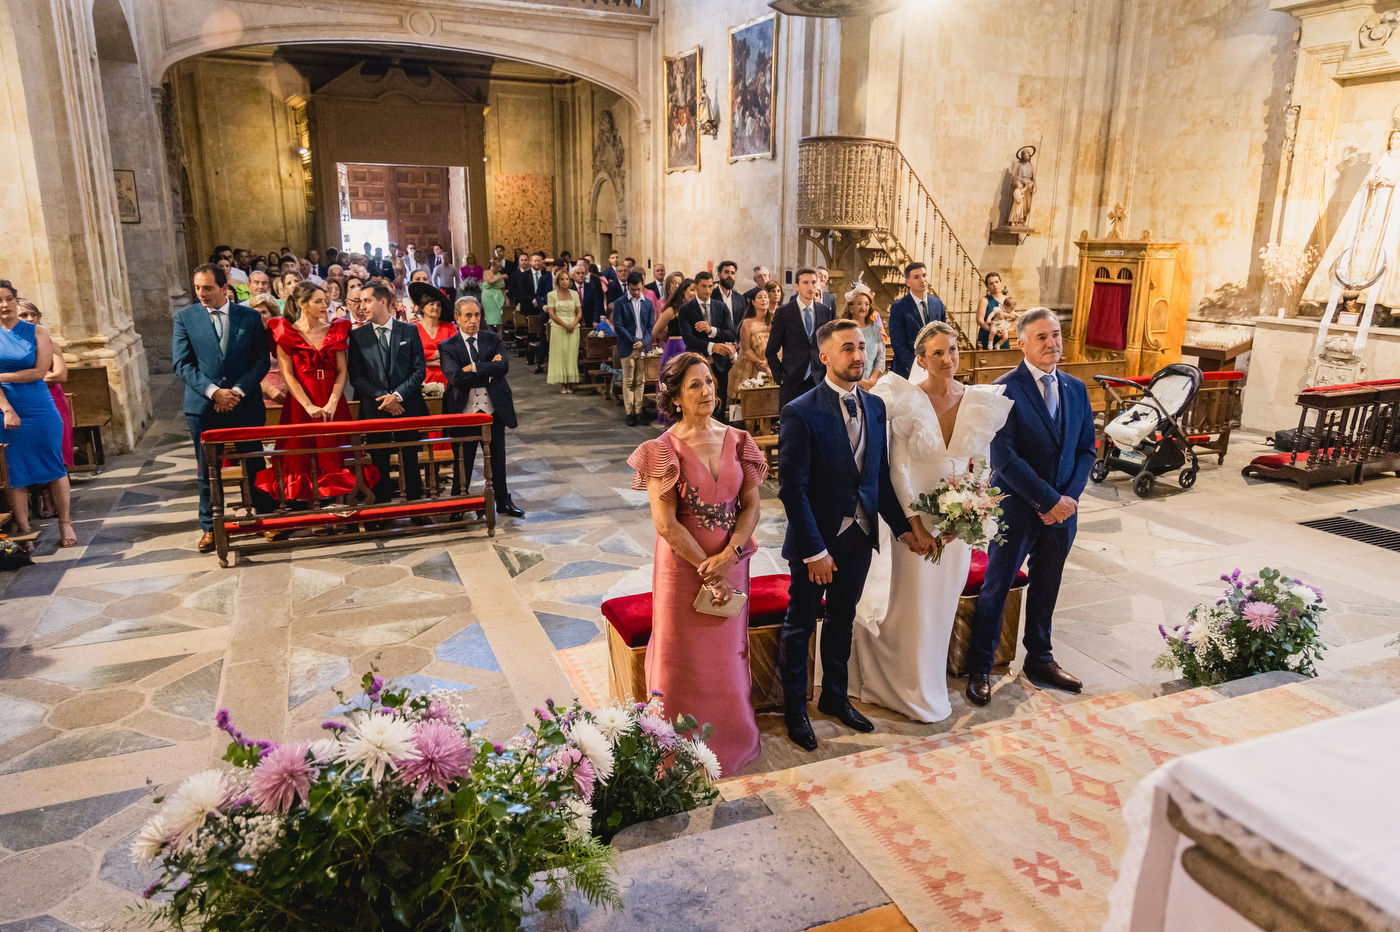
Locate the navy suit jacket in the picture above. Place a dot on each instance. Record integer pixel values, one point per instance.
(817, 478)
(723, 330)
(1035, 459)
(905, 326)
(593, 297)
(789, 334)
(536, 295)
(195, 353)
(486, 374)
(629, 330)
(407, 367)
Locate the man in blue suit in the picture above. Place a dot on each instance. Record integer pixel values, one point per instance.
(593, 293)
(536, 284)
(909, 314)
(1041, 459)
(220, 349)
(633, 316)
(834, 480)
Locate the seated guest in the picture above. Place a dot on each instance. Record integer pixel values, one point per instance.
(860, 308)
(633, 317)
(282, 288)
(708, 329)
(274, 387)
(563, 309)
(359, 316)
(387, 368)
(57, 376)
(909, 314)
(753, 343)
(258, 283)
(311, 355)
(702, 480)
(220, 350)
(793, 355)
(432, 304)
(33, 428)
(475, 364)
(761, 277)
(335, 299)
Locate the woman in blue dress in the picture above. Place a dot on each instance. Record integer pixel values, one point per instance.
(33, 431)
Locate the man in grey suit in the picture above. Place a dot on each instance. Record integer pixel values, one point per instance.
(387, 369)
(219, 348)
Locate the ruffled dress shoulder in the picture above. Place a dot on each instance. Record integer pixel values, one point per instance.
(983, 412)
(751, 460)
(655, 459)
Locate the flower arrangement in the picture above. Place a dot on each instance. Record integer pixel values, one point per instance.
(433, 389)
(632, 765)
(398, 819)
(1286, 265)
(965, 507)
(1265, 623)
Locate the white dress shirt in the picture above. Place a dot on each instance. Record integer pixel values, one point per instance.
(221, 330)
(478, 400)
(1038, 375)
(860, 517)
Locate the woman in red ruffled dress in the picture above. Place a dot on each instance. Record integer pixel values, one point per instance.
(311, 355)
(433, 305)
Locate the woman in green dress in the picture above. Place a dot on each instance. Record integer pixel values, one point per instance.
(563, 309)
(493, 295)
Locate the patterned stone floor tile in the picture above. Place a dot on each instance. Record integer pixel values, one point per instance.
(194, 695)
(310, 672)
(469, 648)
(142, 605)
(586, 568)
(87, 744)
(47, 825)
(623, 545)
(37, 924)
(144, 585)
(18, 716)
(394, 632)
(126, 630)
(119, 870)
(216, 599)
(566, 632)
(307, 584)
(440, 568)
(517, 561)
(63, 613)
(382, 595)
(112, 675)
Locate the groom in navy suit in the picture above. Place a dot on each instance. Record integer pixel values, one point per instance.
(834, 480)
(1041, 459)
(219, 348)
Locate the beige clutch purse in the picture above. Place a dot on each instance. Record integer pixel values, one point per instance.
(705, 604)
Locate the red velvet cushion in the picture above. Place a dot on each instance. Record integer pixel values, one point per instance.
(630, 615)
(1274, 460)
(768, 599)
(1351, 386)
(978, 572)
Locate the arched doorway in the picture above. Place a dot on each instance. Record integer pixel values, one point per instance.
(603, 218)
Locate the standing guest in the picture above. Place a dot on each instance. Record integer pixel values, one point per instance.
(708, 329)
(471, 270)
(1041, 457)
(761, 277)
(317, 266)
(493, 294)
(359, 314)
(432, 306)
(33, 428)
(284, 285)
(614, 274)
(987, 308)
(668, 322)
(55, 379)
(436, 258)
(400, 282)
(563, 310)
(592, 291)
(411, 259)
(444, 272)
(311, 356)
(860, 308)
(220, 351)
(258, 283)
(335, 298)
(824, 294)
(475, 364)
(658, 285)
(794, 356)
(308, 274)
(536, 282)
(274, 387)
(702, 481)
(734, 302)
(633, 316)
(909, 314)
(387, 369)
(834, 479)
(753, 343)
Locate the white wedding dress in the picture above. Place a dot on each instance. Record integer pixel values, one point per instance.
(899, 650)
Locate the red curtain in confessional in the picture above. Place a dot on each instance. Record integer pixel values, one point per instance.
(1108, 315)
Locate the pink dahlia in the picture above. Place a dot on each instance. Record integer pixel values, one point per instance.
(658, 729)
(440, 755)
(1261, 616)
(281, 776)
(571, 760)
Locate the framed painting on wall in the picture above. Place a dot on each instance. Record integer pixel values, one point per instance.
(682, 77)
(128, 202)
(752, 74)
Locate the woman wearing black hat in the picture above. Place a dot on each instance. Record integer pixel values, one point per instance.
(432, 304)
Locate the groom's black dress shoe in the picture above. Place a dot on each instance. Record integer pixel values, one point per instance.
(979, 688)
(800, 731)
(508, 507)
(1050, 674)
(846, 714)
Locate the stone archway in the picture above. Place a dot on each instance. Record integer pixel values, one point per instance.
(603, 218)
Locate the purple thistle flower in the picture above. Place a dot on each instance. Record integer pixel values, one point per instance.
(336, 727)
(376, 687)
(150, 891)
(657, 693)
(542, 714)
(499, 749)
(440, 755)
(281, 776)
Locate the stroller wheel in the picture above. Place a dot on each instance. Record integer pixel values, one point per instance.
(1143, 484)
(1099, 472)
(1188, 478)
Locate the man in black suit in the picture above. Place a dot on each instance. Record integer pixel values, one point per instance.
(535, 285)
(708, 330)
(734, 302)
(593, 293)
(909, 314)
(760, 279)
(793, 333)
(824, 294)
(615, 275)
(475, 364)
(658, 286)
(387, 369)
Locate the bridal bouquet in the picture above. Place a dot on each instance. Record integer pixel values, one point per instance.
(965, 506)
(398, 819)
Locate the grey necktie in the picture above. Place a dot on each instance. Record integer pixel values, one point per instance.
(220, 330)
(383, 334)
(852, 422)
(807, 321)
(1052, 395)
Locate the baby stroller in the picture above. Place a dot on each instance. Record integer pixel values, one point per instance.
(1147, 439)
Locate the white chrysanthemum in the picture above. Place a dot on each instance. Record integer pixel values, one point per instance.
(376, 742)
(990, 528)
(1305, 593)
(706, 759)
(613, 722)
(1198, 633)
(588, 739)
(325, 749)
(199, 797)
(150, 841)
(582, 814)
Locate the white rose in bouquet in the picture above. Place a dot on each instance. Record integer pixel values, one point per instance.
(990, 528)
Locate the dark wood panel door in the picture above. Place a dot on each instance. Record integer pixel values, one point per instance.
(369, 189)
(421, 207)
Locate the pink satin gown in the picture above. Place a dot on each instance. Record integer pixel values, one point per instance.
(700, 662)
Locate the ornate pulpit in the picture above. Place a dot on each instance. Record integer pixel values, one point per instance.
(1130, 302)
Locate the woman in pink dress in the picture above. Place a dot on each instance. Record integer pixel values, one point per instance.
(702, 480)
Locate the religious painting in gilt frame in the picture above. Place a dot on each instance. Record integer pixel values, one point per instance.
(682, 81)
(752, 74)
(128, 202)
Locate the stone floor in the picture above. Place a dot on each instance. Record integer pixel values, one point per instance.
(115, 655)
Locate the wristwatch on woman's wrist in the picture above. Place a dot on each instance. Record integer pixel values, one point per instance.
(739, 551)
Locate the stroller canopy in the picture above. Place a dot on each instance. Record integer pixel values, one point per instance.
(1168, 393)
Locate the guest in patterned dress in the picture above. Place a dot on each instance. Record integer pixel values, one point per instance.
(432, 304)
(702, 480)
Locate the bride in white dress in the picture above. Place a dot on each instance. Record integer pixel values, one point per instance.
(938, 428)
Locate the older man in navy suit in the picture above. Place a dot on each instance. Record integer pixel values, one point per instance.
(909, 314)
(220, 349)
(1041, 459)
(833, 480)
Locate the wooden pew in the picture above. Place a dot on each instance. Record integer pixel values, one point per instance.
(91, 399)
(759, 407)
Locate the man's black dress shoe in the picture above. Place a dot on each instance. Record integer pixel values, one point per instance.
(1049, 674)
(979, 688)
(846, 714)
(539, 370)
(800, 731)
(507, 507)
(631, 420)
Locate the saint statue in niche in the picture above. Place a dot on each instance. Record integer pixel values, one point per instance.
(1363, 250)
(1022, 188)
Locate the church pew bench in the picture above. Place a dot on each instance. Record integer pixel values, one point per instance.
(594, 353)
(91, 400)
(759, 409)
(1345, 433)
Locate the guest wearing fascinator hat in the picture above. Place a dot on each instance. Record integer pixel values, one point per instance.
(432, 305)
(860, 307)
